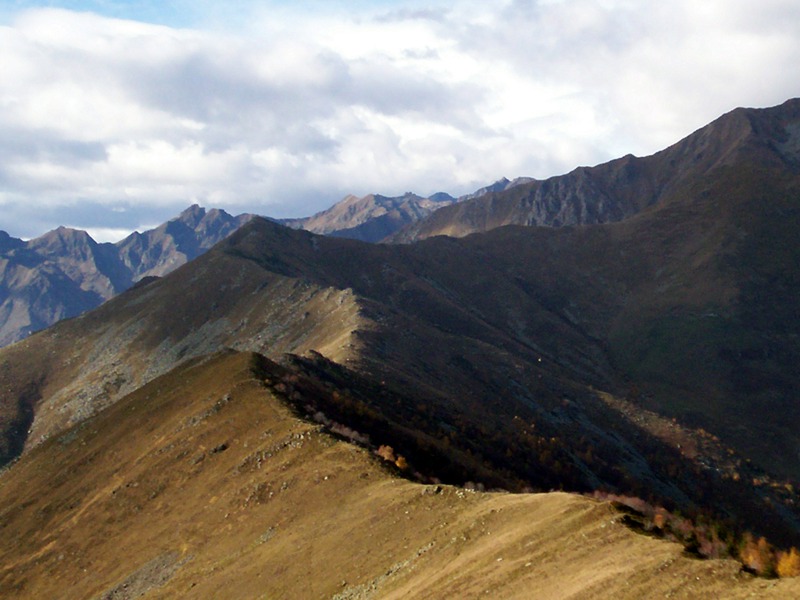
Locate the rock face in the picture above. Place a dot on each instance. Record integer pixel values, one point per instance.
(624, 187)
(176, 242)
(65, 272)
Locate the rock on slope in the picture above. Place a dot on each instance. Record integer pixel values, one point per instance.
(203, 484)
(65, 272)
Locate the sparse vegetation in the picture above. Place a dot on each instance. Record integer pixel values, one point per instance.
(123, 499)
(448, 371)
(706, 538)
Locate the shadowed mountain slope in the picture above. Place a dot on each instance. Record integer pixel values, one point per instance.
(203, 484)
(65, 272)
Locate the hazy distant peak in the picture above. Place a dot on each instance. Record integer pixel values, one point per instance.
(370, 218)
(192, 215)
(62, 239)
(8, 242)
(500, 185)
(441, 197)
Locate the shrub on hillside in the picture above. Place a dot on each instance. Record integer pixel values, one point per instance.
(788, 563)
(757, 555)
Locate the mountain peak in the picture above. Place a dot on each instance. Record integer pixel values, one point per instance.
(9, 243)
(371, 218)
(192, 215)
(66, 272)
(62, 239)
(442, 197)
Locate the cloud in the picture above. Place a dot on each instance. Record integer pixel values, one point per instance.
(285, 110)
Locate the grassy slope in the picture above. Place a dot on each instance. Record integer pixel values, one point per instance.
(69, 371)
(464, 345)
(202, 484)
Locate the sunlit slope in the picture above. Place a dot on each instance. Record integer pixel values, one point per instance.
(64, 374)
(203, 485)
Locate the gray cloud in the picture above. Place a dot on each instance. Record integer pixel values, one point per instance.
(115, 123)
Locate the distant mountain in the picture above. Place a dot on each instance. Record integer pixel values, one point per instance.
(371, 218)
(619, 189)
(375, 218)
(161, 250)
(501, 185)
(65, 272)
(9, 243)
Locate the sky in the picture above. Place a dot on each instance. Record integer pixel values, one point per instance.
(116, 115)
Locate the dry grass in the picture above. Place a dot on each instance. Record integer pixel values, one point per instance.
(203, 485)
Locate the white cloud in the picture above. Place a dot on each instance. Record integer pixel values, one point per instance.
(290, 109)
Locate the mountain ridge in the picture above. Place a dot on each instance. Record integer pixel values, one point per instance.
(205, 484)
(370, 218)
(376, 308)
(376, 218)
(64, 272)
(623, 187)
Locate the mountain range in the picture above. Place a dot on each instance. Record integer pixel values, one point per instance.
(65, 272)
(377, 218)
(629, 329)
(371, 218)
(619, 189)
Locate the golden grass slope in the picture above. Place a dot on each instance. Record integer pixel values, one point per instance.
(202, 484)
(58, 377)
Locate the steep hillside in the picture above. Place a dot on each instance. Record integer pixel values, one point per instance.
(203, 484)
(496, 361)
(65, 272)
(621, 188)
(371, 218)
(216, 301)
